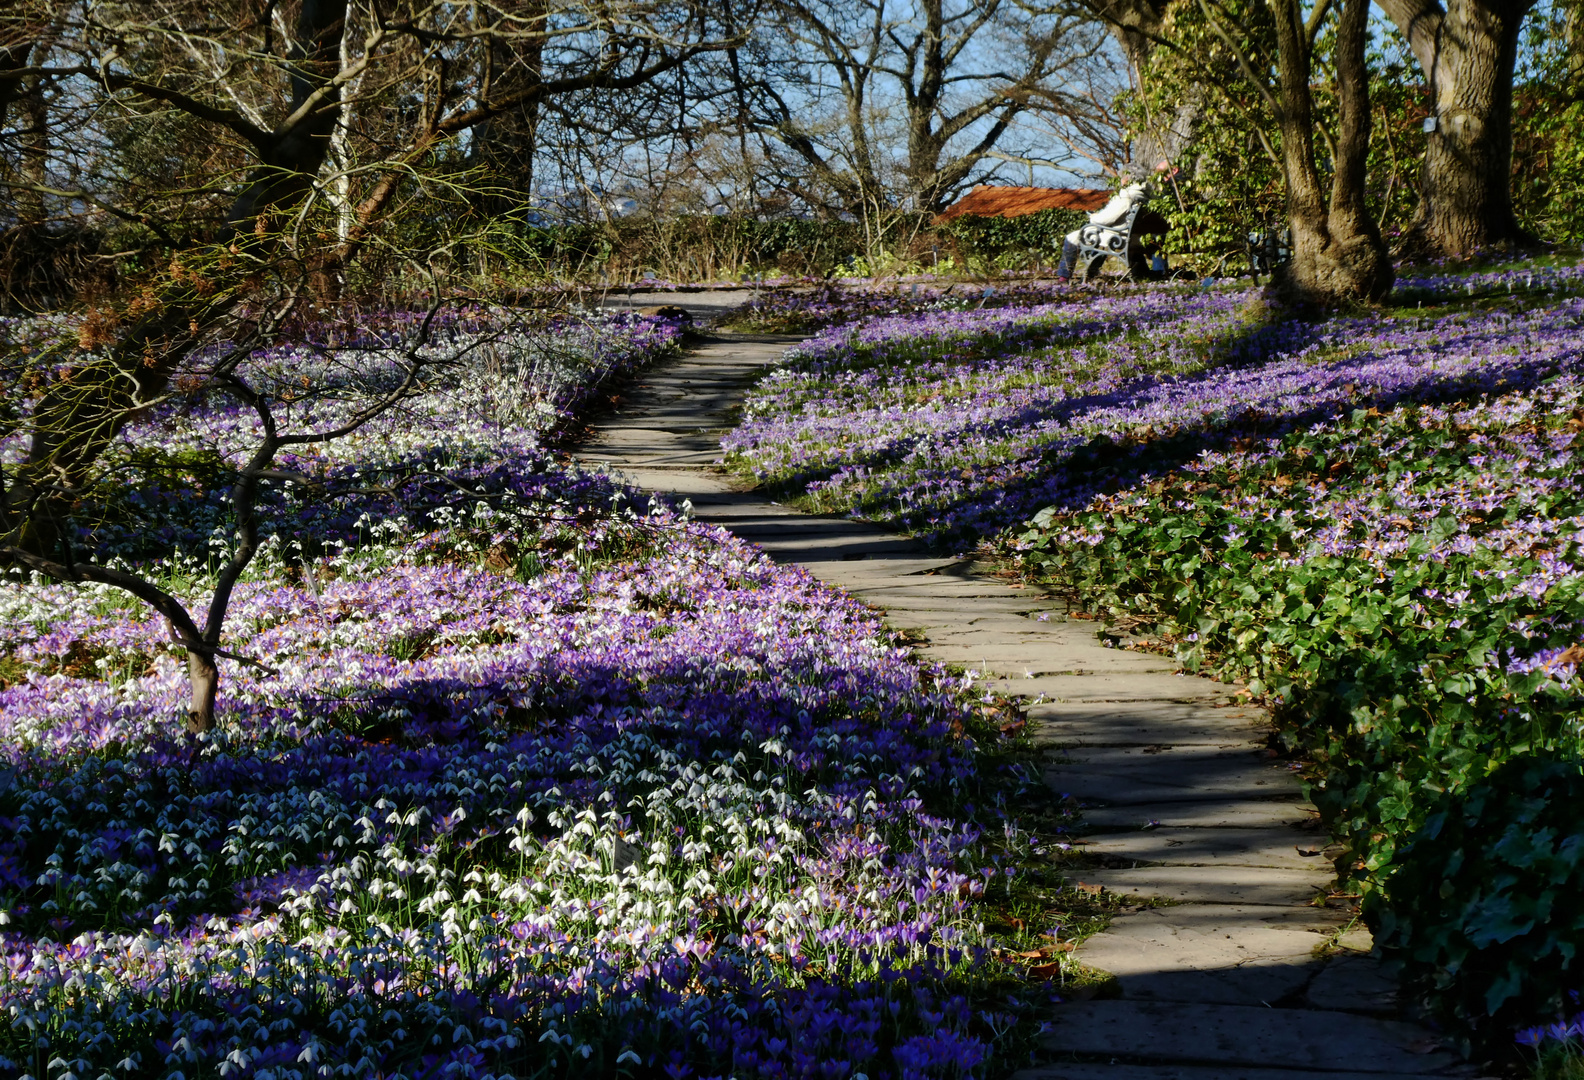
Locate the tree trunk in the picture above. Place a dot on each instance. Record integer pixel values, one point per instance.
(34, 143)
(1467, 52)
(506, 143)
(1337, 251)
(203, 676)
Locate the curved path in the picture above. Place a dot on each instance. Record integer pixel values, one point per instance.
(1250, 974)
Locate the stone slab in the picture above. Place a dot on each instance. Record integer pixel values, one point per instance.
(862, 577)
(732, 508)
(865, 578)
(787, 528)
(1045, 657)
(905, 599)
(1353, 983)
(1279, 847)
(1181, 1032)
(946, 587)
(1147, 686)
(1225, 954)
(972, 628)
(1211, 884)
(830, 548)
(1240, 814)
(647, 438)
(1146, 724)
(677, 456)
(1118, 775)
(687, 481)
(1113, 1071)
(964, 632)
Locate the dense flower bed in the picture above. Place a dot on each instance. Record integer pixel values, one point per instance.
(1375, 520)
(949, 424)
(164, 484)
(511, 777)
(1450, 532)
(957, 426)
(811, 308)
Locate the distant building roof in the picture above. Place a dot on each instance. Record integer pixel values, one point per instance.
(990, 201)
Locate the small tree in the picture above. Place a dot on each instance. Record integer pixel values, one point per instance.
(269, 90)
(216, 368)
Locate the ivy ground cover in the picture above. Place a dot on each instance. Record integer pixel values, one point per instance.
(1375, 520)
(511, 777)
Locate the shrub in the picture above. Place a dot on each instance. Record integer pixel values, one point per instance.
(1484, 906)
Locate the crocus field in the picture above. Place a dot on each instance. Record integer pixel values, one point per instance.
(519, 778)
(787, 308)
(1374, 519)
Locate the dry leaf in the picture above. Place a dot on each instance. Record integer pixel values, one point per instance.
(1573, 654)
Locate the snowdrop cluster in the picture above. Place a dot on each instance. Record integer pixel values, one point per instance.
(511, 777)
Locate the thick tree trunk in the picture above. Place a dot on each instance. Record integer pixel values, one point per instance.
(34, 142)
(507, 143)
(1466, 198)
(1328, 268)
(1337, 251)
(1467, 52)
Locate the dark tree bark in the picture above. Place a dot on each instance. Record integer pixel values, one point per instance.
(1338, 253)
(1467, 51)
(1137, 25)
(507, 143)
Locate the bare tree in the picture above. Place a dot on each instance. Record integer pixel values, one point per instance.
(903, 103)
(268, 89)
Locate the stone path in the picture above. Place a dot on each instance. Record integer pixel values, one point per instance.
(1249, 974)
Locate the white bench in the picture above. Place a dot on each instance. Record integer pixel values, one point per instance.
(1108, 234)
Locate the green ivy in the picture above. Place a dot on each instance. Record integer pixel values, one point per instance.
(1394, 692)
(1548, 124)
(1484, 907)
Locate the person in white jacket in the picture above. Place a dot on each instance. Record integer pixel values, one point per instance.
(1113, 212)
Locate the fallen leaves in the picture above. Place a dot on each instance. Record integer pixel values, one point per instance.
(1573, 654)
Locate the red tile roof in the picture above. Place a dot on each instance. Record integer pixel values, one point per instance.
(990, 201)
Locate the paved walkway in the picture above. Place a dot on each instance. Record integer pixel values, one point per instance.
(1249, 974)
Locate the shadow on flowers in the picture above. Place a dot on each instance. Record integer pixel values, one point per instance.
(680, 816)
(963, 470)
